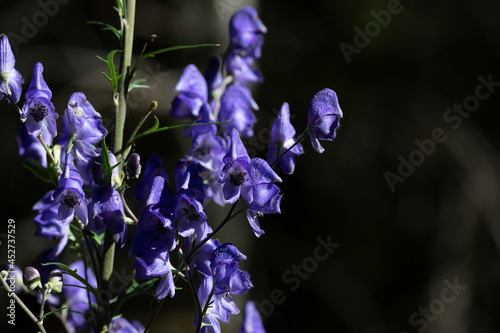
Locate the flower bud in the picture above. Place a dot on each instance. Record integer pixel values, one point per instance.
(56, 280)
(31, 278)
(133, 167)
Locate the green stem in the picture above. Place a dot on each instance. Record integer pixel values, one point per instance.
(126, 59)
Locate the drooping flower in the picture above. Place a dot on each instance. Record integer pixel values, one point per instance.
(10, 78)
(237, 174)
(82, 122)
(323, 117)
(266, 200)
(77, 297)
(240, 174)
(30, 147)
(48, 224)
(241, 68)
(227, 277)
(237, 105)
(252, 323)
(246, 32)
(122, 325)
(193, 93)
(70, 195)
(155, 237)
(154, 167)
(106, 212)
(282, 138)
(38, 110)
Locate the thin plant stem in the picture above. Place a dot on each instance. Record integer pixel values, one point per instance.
(22, 305)
(49, 153)
(299, 140)
(192, 285)
(126, 59)
(205, 309)
(46, 294)
(127, 209)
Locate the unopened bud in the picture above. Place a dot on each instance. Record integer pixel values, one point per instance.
(31, 278)
(133, 167)
(56, 280)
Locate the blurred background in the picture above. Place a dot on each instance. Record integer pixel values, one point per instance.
(416, 245)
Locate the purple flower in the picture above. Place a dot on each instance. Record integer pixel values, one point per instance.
(83, 122)
(237, 105)
(282, 134)
(48, 224)
(238, 173)
(154, 167)
(122, 325)
(106, 212)
(226, 275)
(246, 32)
(70, 195)
(252, 323)
(241, 68)
(77, 296)
(10, 78)
(266, 200)
(38, 111)
(30, 147)
(323, 117)
(155, 237)
(193, 93)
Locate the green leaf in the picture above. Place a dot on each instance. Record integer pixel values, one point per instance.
(73, 274)
(38, 169)
(172, 48)
(112, 77)
(107, 27)
(54, 311)
(166, 128)
(106, 164)
(98, 238)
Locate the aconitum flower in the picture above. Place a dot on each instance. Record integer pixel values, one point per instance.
(252, 323)
(106, 212)
(154, 167)
(193, 93)
(246, 32)
(30, 147)
(266, 200)
(77, 297)
(10, 78)
(122, 325)
(226, 275)
(282, 134)
(48, 224)
(323, 117)
(38, 110)
(83, 122)
(237, 105)
(238, 173)
(70, 195)
(241, 68)
(155, 237)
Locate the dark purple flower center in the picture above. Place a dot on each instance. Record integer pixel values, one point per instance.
(71, 199)
(39, 111)
(203, 150)
(238, 177)
(190, 214)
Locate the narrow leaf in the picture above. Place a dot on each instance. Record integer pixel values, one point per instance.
(51, 312)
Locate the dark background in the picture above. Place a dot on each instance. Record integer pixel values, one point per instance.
(398, 249)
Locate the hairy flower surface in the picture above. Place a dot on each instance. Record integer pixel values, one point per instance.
(282, 138)
(70, 195)
(236, 106)
(252, 323)
(83, 122)
(10, 78)
(227, 277)
(246, 32)
(38, 110)
(193, 93)
(323, 117)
